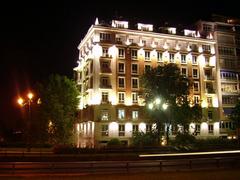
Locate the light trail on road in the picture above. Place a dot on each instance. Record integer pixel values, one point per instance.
(190, 154)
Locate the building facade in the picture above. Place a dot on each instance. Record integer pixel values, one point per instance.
(111, 60)
(226, 33)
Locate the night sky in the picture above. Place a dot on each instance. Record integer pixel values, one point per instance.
(37, 39)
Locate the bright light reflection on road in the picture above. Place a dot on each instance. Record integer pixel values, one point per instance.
(189, 154)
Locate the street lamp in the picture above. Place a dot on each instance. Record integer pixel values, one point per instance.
(27, 102)
(158, 105)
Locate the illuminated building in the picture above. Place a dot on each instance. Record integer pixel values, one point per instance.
(111, 60)
(225, 31)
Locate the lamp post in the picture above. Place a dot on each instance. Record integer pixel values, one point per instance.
(27, 102)
(161, 107)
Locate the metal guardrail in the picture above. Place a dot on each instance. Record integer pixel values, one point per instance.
(118, 166)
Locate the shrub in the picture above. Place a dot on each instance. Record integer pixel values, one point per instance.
(141, 139)
(184, 139)
(114, 142)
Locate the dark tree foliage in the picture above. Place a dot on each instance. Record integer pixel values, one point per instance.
(235, 117)
(167, 83)
(59, 101)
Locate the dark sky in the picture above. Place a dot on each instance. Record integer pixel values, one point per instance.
(37, 39)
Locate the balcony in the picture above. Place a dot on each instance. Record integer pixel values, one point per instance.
(209, 77)
(106, 70)
(105, 86)
(210, 90)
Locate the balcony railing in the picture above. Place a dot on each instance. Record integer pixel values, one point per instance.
(105, 86)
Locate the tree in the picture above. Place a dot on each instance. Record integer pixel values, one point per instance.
(235, 117)
(59, 101)
(167, 83)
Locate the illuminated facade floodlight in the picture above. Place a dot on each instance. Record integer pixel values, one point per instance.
(164, 106)
(158, 101)
(150, 106)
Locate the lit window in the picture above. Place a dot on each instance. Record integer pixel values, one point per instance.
(209, 101)
(171, 57)
(135, 128)
(135, 115)
(134, 97)
(104, 97)
(105, 130)
(147, 55)
(121, 97)
(196, 99)
(195, 73)
(210, 128)
(121, 53)
(104, 52)
(105, 115)
(104, 37)
(121, 129)
(159, 56)
(194, 59)
(135, 83)
(183, 58)
(121, 113)
(134, 54)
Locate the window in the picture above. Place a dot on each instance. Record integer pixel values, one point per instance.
(229, 99)
(121, 82)
(195, 73)
(134, 97)
(104, 52)
(209, 101)
(104, 82)
(105, 115)
(135, 83)
(134, 54)
(207, 27)
(135, 115)
(147, 55)
(196, 99)
(159, 56)
(171, 57)
(198, 128)
(104, 37)
(184, 71)
(135, 128)
(210, 128)
(105, 130)
(134, 68)
(194, 59)
(148, 127)
(226, 51)
(121, 97)
(104, 97)
(121, 113)
(206, 48)
(121, 129)
(121, 53)
(229, 76)
(183, 58)
(121, 67)
(147, 68)
(195, 86)
(210, 115)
